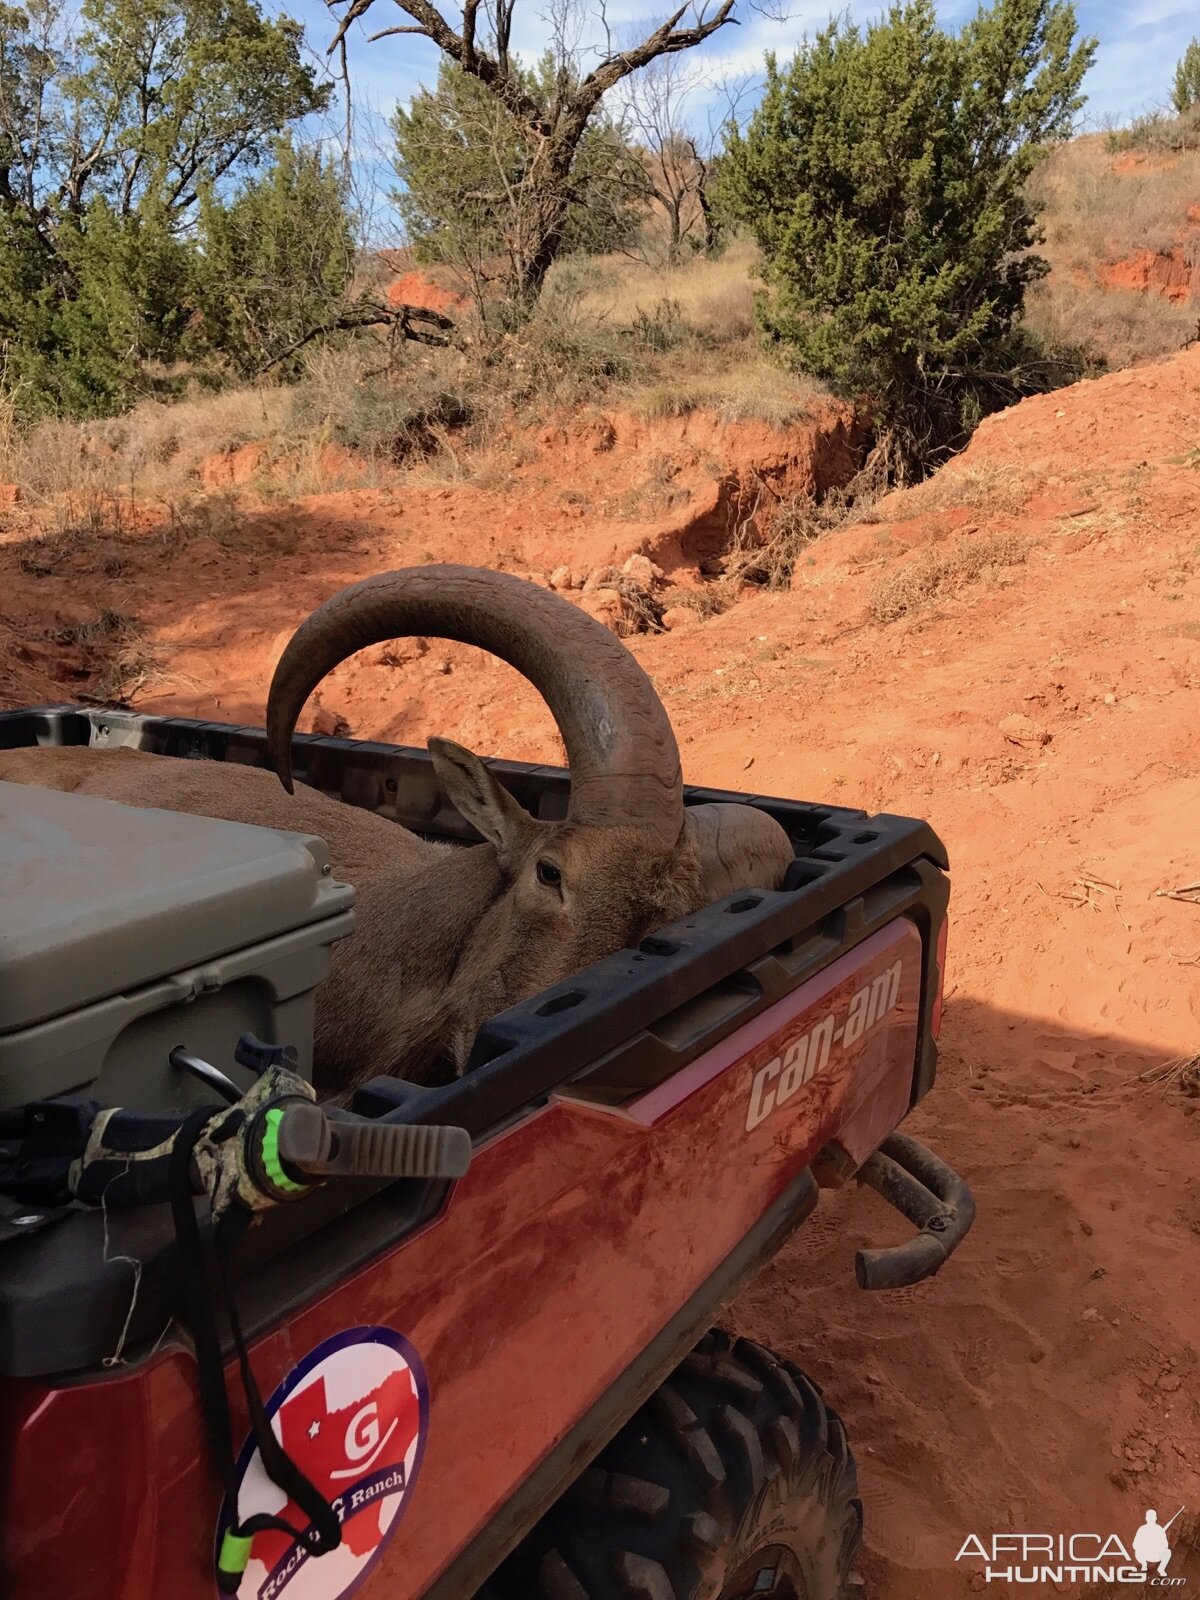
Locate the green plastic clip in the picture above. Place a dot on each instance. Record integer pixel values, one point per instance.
(231, 1563)
(272, 1165)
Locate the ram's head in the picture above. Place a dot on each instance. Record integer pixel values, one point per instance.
(540, 899)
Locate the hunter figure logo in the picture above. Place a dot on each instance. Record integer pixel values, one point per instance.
(353, 1417)
(1074, 1558)
(1150, 1545)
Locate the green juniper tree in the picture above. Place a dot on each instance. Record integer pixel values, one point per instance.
(111, 128)
(884, 176)
(1186, 90)
(275, 258)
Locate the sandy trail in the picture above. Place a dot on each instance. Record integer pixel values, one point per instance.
(1042, 712)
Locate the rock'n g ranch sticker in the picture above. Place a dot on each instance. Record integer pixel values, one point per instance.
(353, 1416)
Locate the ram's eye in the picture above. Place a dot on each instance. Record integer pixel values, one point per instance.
(549, 875)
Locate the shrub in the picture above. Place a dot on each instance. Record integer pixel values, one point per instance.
(1185, 92)
(388, 416)
(1159, 132)
(935, 575)
(275, 260)
(884, 176)
(115, 117)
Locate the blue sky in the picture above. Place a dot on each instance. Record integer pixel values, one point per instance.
(1140, 42)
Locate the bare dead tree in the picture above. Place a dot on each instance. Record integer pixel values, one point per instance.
(655, 115)
(675, 117)
(730, 93)
(552, 123)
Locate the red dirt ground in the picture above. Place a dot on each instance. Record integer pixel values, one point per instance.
(1038, 700)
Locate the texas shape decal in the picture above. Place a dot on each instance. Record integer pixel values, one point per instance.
(353, 1416)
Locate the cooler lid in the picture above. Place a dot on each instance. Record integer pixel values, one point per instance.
(98, 898)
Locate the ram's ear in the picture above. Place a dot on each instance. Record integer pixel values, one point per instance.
(475, 795)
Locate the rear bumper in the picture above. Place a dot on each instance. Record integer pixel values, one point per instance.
(923, 1188)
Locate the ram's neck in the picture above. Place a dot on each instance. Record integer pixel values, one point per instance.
(400, 997)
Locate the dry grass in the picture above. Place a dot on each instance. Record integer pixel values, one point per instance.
(87, 480)
(386, 417)
(1159, 131)
(84, 481)
(1000, 491)
(694, 337)
(744, 386)
(1117, 327)
(1182, 1073)
(106, 627)
(655, 341)
(1103, 207)
(940, 573)
(102, 553)
(155, 445)
(112, 653)
(714, 297)
(1106, 205)
(708, 601)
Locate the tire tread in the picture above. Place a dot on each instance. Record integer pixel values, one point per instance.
(659, 1512)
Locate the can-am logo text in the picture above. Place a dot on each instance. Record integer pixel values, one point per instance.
(774, 1084)
(1061, 1558)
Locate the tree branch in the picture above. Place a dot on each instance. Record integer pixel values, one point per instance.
(669, 39)
(405, 318)
(494, 74)
(470, 11)
(359, 8)
(504, 16)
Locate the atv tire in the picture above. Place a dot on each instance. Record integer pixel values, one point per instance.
(733, 1482)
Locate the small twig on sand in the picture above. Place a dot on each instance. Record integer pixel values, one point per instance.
(1092, 886)
(1187, 892)
(1182, 1073)
(1102, 886)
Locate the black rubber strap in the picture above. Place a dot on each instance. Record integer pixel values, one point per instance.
(196, 1293)
(325, 1532)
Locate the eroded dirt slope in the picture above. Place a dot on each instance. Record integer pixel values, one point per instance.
(1012, 650)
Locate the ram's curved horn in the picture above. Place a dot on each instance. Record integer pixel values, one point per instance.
(739, 847)
(622, 753)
